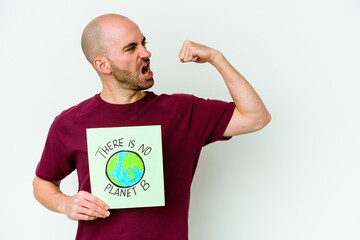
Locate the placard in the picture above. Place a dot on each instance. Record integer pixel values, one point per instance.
(126, 166)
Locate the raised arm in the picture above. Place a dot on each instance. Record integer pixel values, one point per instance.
(82, 206)
(250, 113)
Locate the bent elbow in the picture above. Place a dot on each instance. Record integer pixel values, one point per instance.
(268, 119)
(263, 122)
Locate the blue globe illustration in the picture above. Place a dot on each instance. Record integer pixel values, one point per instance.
(125, 169)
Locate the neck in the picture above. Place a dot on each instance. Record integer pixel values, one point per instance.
(123, 96)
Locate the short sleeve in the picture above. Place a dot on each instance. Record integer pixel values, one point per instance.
(54, 165)
(209, 119)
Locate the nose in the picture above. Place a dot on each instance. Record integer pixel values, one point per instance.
(144, 53)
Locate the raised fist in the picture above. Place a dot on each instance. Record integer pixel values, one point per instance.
(194, 52)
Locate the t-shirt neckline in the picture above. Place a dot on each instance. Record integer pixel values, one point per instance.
(135, 104)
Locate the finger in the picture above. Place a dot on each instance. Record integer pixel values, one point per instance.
(86, 217)
(80, 216)
(184, 50)
(78, 212)
(93, 199)
(181, 53)
(97, 207)
(191, 54)
(185, 54)
(92, 210)
(82, 206)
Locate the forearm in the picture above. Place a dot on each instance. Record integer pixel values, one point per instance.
(246, 99)
(49, 194)
(81, 206)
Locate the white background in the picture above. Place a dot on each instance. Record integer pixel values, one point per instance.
(298, 178)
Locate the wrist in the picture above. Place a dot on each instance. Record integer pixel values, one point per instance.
(61, 203)
(217, 58)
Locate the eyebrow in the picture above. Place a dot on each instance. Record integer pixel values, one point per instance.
(134, 44)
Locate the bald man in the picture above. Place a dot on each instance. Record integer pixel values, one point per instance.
(116, 48)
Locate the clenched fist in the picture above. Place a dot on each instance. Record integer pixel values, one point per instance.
(194, 52)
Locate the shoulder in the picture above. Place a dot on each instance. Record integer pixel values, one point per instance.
(68, 116)
(181, 101)
(175, 98)
(178, 102)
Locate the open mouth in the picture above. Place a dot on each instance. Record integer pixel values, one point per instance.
(145, 69)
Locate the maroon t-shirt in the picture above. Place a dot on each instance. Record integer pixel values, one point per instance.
(187, 124)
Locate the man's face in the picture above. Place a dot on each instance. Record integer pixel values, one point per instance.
(129, 58)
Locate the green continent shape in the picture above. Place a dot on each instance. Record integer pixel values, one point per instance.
(131, 175)
(113, 180)
(132, 161)
(112, 164)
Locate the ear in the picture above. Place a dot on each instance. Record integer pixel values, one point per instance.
(102, 65)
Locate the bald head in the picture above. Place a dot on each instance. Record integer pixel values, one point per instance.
(98, 34)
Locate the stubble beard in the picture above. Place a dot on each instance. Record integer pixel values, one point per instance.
(129, 80)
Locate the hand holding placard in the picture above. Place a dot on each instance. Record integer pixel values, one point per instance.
(85, 206)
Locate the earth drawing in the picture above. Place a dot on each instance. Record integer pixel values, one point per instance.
(125, 169)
